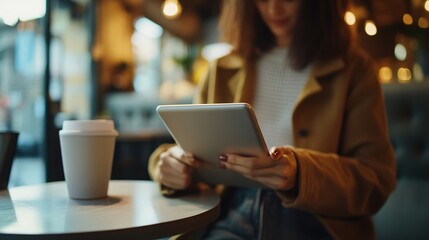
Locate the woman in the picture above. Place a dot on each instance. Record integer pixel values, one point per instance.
(320, 108)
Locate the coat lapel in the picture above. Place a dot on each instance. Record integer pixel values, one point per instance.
(321, 68)
(239, 84)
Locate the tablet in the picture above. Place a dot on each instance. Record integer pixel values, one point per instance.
(208, 130)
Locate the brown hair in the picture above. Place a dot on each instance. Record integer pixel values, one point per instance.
(320, 30)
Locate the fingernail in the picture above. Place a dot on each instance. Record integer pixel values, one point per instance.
(276, 154)
(223, 158)
(222, 165)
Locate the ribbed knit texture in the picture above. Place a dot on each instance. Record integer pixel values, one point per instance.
(277, 90)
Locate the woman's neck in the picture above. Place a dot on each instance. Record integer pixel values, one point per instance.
(283, 42)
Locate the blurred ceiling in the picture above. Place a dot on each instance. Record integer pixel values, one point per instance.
(188, 26)
(384, 13)
(203, 8)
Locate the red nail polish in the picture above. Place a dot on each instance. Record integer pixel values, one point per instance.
(223, 158)
(276, 154)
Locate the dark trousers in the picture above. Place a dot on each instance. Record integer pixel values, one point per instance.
(259, 214)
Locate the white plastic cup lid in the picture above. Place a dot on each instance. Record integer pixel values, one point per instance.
(102, 126)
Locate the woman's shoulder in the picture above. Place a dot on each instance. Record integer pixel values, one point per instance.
(356, 55)
(354, 60)
(229, 61)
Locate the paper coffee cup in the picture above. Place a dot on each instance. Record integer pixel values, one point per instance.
(87, 149)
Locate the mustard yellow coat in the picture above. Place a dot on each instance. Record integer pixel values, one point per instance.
(346, 162)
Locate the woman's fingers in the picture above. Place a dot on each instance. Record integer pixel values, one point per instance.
(187, 158)
(171, 164)
(246, 162)
(172, 180)
(176, 167)
(277, 171)
(174, 173)
(257, 162)
(283, 167)
(278, 152)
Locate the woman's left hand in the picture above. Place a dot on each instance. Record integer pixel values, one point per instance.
(277, 171)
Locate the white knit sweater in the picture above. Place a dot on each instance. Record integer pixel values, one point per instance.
(277, 90)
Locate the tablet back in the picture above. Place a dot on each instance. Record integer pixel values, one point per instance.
(208, 130)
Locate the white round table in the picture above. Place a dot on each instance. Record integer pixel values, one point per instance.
(133, 210)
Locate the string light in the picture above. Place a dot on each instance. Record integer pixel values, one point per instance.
(423, 22)
(418, 72)
(350, 18)
(171, 9)
(370, 28)
(385, 74)
(407, 19)
(400, 52)
(404, 74)
(427, 5)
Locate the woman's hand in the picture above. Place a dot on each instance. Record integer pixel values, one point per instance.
(277, 171)
(176, 167)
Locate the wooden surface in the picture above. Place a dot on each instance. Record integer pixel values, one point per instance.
(133, 210)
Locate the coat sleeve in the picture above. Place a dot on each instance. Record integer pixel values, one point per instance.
(357, 179)
(200, 97)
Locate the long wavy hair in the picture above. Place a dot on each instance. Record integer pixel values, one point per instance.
(320, 31)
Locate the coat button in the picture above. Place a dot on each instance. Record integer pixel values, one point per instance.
(303, 133)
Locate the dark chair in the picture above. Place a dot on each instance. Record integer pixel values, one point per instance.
(141, 131)
(8, 141)
(406, 213)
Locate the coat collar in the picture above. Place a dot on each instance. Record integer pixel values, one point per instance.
(320, 69)
(231, 61)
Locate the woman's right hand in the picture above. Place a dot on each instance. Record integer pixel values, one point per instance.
(176, 167)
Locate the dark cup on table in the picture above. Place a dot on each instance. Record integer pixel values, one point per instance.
(8, 142)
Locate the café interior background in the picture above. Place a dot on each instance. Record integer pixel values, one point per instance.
(119, 59)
